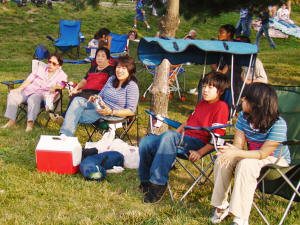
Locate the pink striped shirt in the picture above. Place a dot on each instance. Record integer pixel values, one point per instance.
(40, 84)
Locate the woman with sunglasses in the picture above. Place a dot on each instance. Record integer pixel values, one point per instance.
(44, 80)
(119, 99)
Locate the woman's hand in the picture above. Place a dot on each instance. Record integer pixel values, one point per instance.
(16, 90)
(227, 153)
(74, 91)
(52, 89)
(105, 111)
(194, 156)
(92, 98)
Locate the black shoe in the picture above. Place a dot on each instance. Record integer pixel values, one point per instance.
(155, 194)
(144, 187)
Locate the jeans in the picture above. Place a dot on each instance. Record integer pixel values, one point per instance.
(264, 29)
(244, 26)
(82, 111)
(158, 153)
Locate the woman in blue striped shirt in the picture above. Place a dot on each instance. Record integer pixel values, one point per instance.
(260, 125)
(119, 99)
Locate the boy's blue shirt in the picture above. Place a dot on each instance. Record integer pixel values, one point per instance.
(139, 8)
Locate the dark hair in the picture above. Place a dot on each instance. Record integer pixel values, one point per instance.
(263, 103)
(129, 63)
(101, 32)
(105, 50)
(133, 32)
(243, 38)
(217, 80)
(102, 44)
(229, 29)
(58, 57)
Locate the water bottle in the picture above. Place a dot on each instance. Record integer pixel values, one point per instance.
(98, 101)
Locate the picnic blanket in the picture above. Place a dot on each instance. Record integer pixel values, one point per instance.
(287, 28)
(274, 33)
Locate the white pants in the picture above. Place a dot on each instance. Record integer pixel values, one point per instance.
(15, 99)
(246, 172)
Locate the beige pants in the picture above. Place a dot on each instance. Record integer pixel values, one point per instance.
(246, 172)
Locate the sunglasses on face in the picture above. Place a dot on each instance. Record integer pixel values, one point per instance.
(53, 63)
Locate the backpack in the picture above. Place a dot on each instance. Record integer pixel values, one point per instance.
(41, 52)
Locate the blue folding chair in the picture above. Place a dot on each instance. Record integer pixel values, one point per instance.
(203, 173)
(118, 45)
(69, 37)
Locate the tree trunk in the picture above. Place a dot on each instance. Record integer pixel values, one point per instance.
(160, 89)
(289, 5)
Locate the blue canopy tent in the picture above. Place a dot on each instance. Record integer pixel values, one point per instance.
(151, 51)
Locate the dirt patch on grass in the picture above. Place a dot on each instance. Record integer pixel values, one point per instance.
(32, 11)
(4, 8)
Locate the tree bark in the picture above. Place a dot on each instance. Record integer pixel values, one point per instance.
(160, 89)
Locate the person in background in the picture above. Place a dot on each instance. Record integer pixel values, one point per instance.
(260, 125)
(101, 38)
(140, 14)
(244, 25)
(132, 35)
(32, 91)
(283, 13)
(264, 16)
(258, 74)
(191, 35)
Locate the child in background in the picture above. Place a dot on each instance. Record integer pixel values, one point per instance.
(99, 40)
(140, 14)
(260, 125)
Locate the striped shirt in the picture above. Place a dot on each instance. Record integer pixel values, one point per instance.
(277, 133)
(124, 98)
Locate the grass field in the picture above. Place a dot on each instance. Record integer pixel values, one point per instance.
(30, 197)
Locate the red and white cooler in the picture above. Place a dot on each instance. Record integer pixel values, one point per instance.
(58, 155)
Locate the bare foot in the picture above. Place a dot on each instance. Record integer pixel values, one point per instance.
(10, 123)
(29, 126)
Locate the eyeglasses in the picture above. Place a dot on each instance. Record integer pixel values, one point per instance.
(53, 63)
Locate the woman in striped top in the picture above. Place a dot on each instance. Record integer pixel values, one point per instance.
(119, 99)
(260, 125)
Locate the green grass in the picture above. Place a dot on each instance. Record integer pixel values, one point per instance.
(31, 197)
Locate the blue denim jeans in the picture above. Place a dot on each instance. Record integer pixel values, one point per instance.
(244, 26)
(82, 111)
(158, 153)
(264, 29)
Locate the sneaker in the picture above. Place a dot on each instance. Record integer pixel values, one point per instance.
(239, 221)
(133, 26)
(144, 187)
(155, 193)
(148, 28)
(217, 217)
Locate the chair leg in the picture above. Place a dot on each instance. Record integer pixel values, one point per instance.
(289, 205)
(260, 213)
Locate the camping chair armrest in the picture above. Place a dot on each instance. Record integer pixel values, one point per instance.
(50, 38)
(207, 129)
(288, 142)
(11, 83)
(162, 119)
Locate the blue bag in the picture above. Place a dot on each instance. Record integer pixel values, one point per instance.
(41, 52)
(93, 167)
